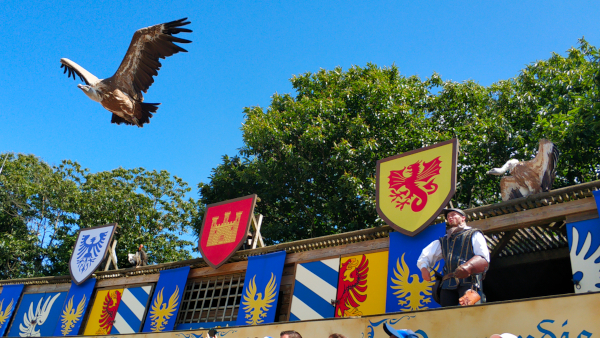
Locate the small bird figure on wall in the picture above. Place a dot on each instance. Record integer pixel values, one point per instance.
(121, 94)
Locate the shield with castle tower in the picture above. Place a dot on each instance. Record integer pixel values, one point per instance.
(225, 228)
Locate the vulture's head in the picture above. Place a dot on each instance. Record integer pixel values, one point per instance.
(90, 92)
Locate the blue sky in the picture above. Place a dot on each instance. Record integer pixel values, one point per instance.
(242, 53)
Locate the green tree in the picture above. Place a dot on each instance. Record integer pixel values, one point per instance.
(311, 157)
(42, 208)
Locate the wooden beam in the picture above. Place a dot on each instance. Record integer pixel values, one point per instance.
(502, 244)
(225, 269)
(347, 249)
(41, 288)
(582, 217)
(126, 281)
(537, 216)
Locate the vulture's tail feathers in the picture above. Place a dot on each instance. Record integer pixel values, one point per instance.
(147, 110)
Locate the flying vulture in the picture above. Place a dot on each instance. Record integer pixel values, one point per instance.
(529, 177)
(121, 94)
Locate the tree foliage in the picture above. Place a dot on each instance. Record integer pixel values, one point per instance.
(311, 157)
(43, 207)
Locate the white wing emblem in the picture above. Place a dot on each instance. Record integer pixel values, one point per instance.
(31, 319)
(585, 270)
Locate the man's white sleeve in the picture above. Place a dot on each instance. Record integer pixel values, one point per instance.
(480, 246)
(430, 255)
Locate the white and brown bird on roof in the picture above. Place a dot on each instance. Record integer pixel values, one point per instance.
(121, 94)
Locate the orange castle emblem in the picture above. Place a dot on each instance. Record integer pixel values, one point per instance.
(225, 232)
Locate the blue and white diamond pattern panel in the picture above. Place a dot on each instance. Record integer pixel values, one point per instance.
(315, 287)
(131, 310)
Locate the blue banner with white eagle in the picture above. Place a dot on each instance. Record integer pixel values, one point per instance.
(314, 288)
(166, 300)
(406, 289)
(90, 249)
(8, 303)
(37, 314)
(261, 289)
(74, 308)
(584, 249)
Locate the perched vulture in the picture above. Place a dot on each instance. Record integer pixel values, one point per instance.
(529, 177)
(121, 94)
(140, 258)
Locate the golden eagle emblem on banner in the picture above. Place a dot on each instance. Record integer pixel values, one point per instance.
(5, 313)
(255, 304)
(413, 187)
(414, 292)
(70, 316)
(161, 312)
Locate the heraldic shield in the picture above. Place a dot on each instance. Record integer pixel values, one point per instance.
(225, 228)
(414, 187)
(90, 250)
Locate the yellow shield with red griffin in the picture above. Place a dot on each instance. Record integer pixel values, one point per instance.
(413, 187)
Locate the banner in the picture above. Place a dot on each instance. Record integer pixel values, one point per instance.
(90, 250)
(584, 249)
(362, 285)
(412, 188)
(8, 303)
(37, 314)
(132, 309)
(406, 289)
(104, 312)
(74, 308)
(167, 298)
(314, 289)
(261, 289)
(224, 229)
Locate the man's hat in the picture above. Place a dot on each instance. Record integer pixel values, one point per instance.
(449, 210)
(398, 333)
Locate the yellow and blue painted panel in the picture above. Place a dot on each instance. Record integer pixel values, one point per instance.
(165, 303)
(8, 303)
(74, 308)
(261, 289)
(406, 289)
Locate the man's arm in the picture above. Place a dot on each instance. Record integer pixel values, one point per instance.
(480, 247)
(479, 262)
(429, 256)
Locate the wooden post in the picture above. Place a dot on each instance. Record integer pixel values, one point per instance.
(112, 257)
(257, 238)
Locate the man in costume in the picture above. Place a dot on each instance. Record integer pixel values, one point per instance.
(466, 256)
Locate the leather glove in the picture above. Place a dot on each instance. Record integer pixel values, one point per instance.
(475, 265)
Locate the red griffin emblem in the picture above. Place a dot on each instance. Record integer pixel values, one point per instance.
(225, 228)
(352, 287)
(413, 183)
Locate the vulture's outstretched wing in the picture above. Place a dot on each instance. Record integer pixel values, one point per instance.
(74, 68)
(140, 63)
